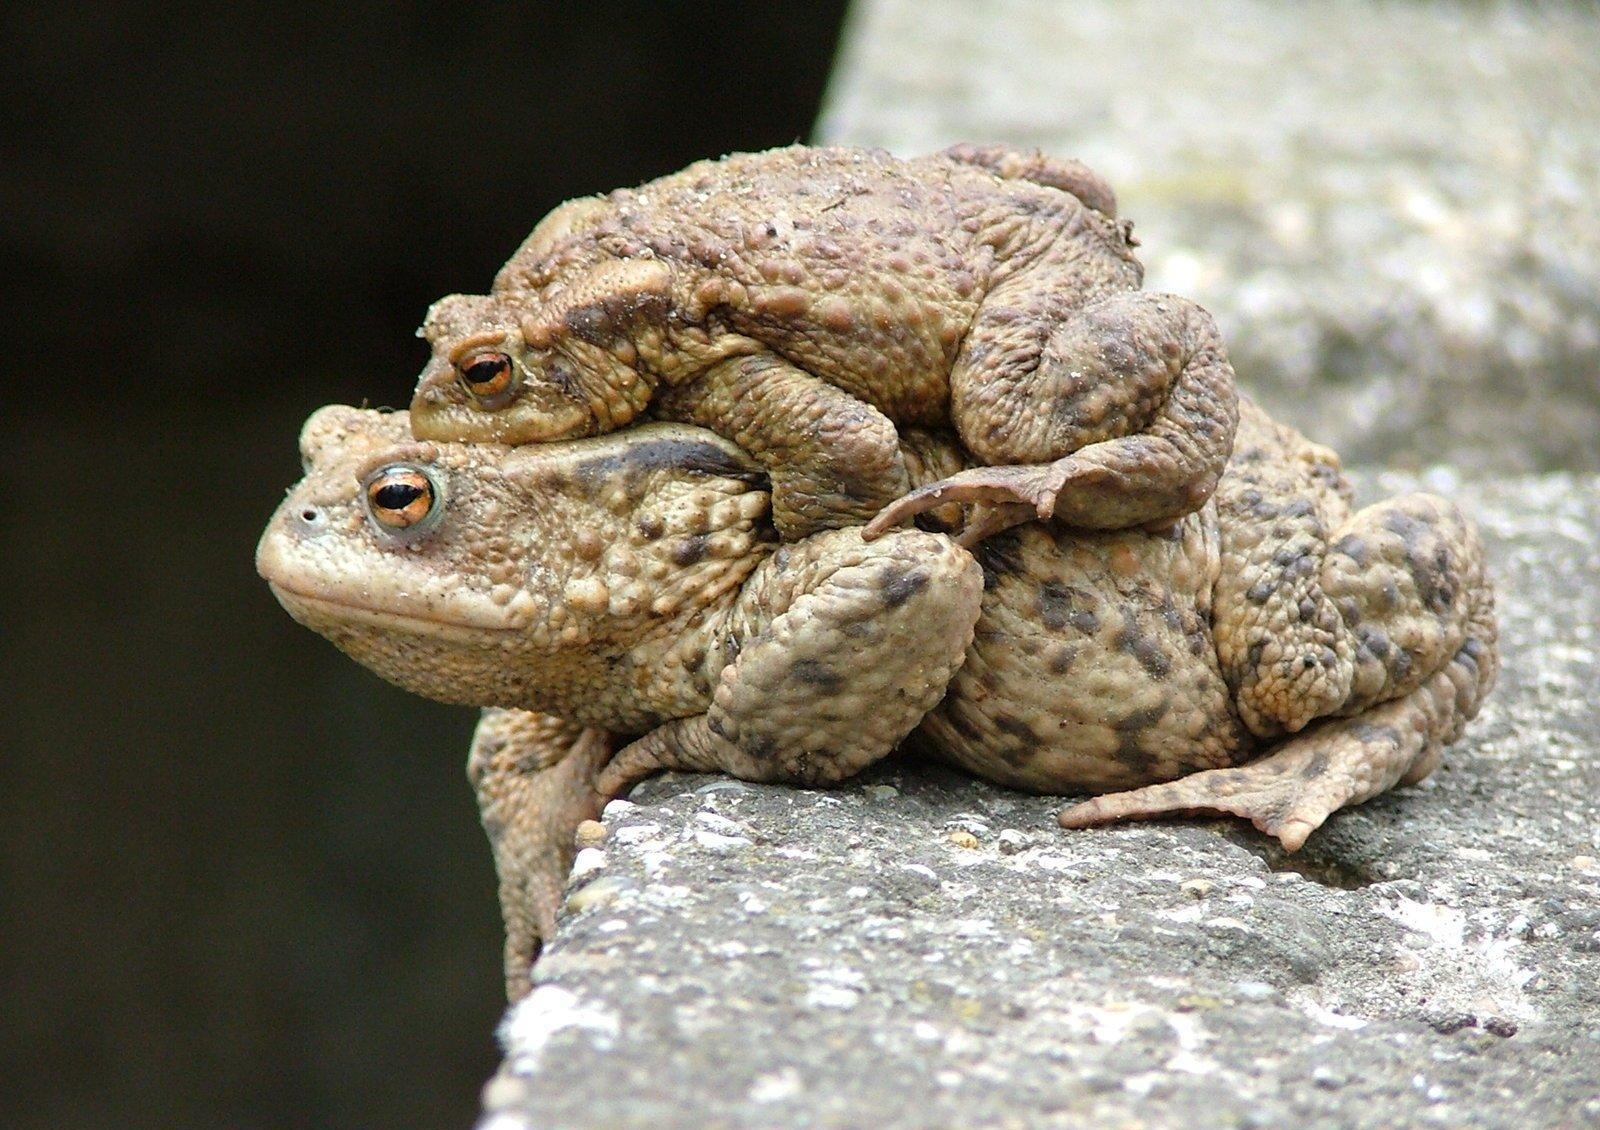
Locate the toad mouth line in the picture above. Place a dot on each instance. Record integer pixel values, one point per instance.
(384, 616)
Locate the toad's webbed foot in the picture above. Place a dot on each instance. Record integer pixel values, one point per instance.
(534, 776)
(1334, 763)
(1002, 496)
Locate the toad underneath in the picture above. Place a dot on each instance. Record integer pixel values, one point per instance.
(623, 604)
(805, 302)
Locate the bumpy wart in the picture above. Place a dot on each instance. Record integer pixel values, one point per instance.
(807, 302)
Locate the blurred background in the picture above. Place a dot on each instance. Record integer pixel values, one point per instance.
(242, 881)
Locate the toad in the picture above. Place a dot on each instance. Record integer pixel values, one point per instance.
(623, 604)
(803, 302)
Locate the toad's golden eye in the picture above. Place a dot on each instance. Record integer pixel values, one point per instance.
(401, 500)
(487, 376)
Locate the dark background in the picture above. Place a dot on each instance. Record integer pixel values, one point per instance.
(242, 881)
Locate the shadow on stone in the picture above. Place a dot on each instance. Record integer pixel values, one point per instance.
(1313, 862)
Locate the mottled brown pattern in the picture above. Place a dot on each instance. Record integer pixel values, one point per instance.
(805, 302)
(627, 592)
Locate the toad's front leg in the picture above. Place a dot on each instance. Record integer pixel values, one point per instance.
(534, 776)
(834, 651)
(834, 459)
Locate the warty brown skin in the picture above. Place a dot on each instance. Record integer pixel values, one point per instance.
(627, 594)
(623, 585)
(1276, 655)
(806, 302)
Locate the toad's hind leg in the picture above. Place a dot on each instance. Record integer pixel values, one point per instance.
(1032, 165)
(1109, 415)
(1318, 611)
(1380, 742)
(839, 648)
(534, 776)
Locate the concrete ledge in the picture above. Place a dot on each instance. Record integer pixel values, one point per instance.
(1385, 206)
(741, 955)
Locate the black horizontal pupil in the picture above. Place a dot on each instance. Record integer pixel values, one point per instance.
(397, 496)
(482, 372)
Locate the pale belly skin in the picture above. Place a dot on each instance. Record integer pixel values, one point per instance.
(621, 606)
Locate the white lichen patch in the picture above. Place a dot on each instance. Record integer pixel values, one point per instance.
(531, 1024)
(776, 1086)
(1444, 925)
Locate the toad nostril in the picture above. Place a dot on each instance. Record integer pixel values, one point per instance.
(311, 518)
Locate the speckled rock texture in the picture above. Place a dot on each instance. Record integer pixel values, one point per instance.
(920, 949)
(1390, 208)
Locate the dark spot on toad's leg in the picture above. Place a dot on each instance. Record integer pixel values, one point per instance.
(814, 672)
(690, 550)
(1015, 726)
(1130, 752)
(1375, 735)
(1061, 659)
(651, 527)
(965, 725)
(1352, 547)
(1016, 755)
(1431, 578)
(1060, 606)
(1132, 641)
(760, 746)
(1143, 718)
(1407, 528)
(1053, 604)
(999, 555)
(899, 586)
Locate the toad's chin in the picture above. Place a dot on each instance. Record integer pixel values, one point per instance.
(438, 659)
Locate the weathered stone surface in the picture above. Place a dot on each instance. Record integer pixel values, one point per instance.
(1389, 207)
(740, 955)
